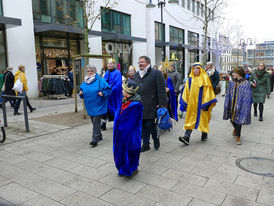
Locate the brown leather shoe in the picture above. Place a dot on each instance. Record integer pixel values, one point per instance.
(238, 140)
(234, 133)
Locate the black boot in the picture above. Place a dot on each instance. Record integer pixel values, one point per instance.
(255, 109)
(32, 109)
(261, 109)
(204, 137)
(16, 113)
(104, 126)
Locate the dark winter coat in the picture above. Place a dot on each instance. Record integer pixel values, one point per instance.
(262, 88)
(215, 78)
(152, 91)
(9, 77)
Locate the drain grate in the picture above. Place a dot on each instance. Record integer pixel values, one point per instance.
(256, 165)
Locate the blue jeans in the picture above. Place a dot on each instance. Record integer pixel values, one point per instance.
(148, 127)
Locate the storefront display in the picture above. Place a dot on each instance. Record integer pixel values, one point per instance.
(121, 52)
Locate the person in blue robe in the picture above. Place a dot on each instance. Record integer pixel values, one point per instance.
(127, 130)
(238, 101)
(172, 103)
(114, 79)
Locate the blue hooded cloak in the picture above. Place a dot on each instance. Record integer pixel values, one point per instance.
(114, 79)
(127, 138)
(173, 103)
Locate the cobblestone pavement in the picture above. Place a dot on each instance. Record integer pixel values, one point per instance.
(54, 165)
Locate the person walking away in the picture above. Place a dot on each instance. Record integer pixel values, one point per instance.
(198, 100)
(95, 91)
(213, 75)
(9, 83)
(153, 93)
(181, 112)
(114, 78)
(171, 96)
(238, 101)
(223, 86)
(260, 85)
(176, 80)
(21, 74)
(70, 76)
(127, 130)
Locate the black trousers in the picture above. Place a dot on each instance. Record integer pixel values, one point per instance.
(238, 128)
(261, 107)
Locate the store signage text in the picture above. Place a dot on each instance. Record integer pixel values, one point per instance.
(118, 48)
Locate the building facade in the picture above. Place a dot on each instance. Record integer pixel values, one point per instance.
(45, 34)
(263, 53)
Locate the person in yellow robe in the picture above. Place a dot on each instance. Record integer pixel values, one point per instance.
(197, 100)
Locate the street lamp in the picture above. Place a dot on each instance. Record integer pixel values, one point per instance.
(161, 4)
(243, 44)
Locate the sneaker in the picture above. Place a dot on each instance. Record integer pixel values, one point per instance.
(184, 140)
(261, 118)
(204, 137)
(157, 143)
(145, 148)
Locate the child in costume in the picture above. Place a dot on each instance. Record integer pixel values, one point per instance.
(238, 101)
(127, 130)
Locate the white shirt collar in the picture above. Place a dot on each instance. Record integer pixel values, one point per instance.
(143, 73)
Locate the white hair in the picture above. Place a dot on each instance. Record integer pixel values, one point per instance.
(89, 66)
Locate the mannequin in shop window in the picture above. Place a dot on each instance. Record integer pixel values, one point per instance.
(53, 71)
(114, 79)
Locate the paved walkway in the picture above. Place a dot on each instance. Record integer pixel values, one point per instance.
(54, 165)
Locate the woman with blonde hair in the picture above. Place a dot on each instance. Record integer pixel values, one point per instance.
(21, 74)
(131, 72)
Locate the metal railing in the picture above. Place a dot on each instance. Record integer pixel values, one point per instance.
(6, 97)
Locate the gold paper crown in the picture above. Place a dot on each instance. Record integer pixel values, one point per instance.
(166, 64)
(129, 90)
(111, 60)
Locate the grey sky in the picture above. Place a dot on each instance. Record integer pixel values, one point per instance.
(255, 16)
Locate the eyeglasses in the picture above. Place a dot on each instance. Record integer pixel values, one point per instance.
(88, 71)
(141, 62)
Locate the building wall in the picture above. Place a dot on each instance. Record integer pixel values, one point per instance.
(20, 41)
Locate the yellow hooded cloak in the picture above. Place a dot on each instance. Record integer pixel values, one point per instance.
(198, 99)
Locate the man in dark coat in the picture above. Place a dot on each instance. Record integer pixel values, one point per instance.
(9, 82)
(153, 93)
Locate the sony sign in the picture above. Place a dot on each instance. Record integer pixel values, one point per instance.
(117, 48)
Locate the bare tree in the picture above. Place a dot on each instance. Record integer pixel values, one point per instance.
(92, 10)
(209, 13)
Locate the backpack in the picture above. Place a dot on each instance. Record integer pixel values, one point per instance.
(163, 119)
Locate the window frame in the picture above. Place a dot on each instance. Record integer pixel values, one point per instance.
(115, 15)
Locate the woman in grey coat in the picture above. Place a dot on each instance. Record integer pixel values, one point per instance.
(260, 84)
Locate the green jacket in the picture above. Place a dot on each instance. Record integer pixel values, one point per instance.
(262, 80)
(1, 81)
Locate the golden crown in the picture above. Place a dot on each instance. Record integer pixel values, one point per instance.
(111, 60)
(129, 90)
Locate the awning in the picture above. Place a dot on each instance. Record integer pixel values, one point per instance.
(159, 44)
(43, 27)
(10, 22)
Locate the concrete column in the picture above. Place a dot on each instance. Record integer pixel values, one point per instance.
(21, 42)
